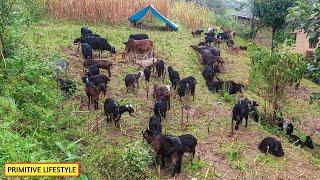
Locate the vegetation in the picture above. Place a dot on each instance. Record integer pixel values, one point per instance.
(277, 71)
(197, 16)
(272, 13)
(39, 124)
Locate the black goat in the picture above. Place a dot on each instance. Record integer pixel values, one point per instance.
(160, 68)
(97, 43)
(189, 143)
(230, 86)
(209, 73)
(297, 141)
(165, 146)
(132, 79)
(67, 86)
(187, 84)
(155, 124)
(160, 107)
(113, 111)
(272, 146)
(244, 48)
(86, 51)
(233, 88)
(147, 73)
(85, 31)
(209, 39)
(283, 124)
(174, 77)
(137, 37)
(308, 143)
(241, 110)
(93, 70)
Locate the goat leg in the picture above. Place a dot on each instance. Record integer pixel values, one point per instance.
(246, 121)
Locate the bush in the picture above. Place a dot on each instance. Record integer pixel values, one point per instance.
(276, 72)
(136, 159)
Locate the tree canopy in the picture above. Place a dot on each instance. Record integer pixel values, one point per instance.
(272, 13)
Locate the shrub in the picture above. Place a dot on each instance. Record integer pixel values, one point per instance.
(277, 72)
(136, 159)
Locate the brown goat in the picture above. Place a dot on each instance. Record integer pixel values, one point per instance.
(162, 91)
(139, 47)
(93, 94)
(102, 63)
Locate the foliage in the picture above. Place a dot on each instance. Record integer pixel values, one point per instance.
(14, 14)
(136, 159)
(306, 15)
(272, 13)
(279, 71)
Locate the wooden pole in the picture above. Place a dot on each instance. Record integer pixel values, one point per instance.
(181, 122)
(147, 89)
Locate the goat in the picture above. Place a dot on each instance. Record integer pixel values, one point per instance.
(86, 51)
(174, 77)
(147, 73)
(272, 146)
(160, 68)
(103, 64)
(139, 46)
(113, 110)
(93, 70)
(209, 73)
(160, 107)
(93, 93)
(66, 86)
(155, 124)
(189, 143)
(132, 79)
(162, 91)
(165, 146)
(241, 110)
(187, 84)
(97, 80)
(197, 32)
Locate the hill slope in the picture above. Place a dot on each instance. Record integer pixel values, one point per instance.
(217, 155)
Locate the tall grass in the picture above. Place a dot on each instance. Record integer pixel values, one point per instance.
(107, 11)
(192, 15)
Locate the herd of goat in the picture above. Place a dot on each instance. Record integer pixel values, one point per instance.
(167, 146)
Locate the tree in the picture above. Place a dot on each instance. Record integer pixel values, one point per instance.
(272, 13)
(274, 72)
(305, 15)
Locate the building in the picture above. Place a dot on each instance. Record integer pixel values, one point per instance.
(244, 15)
(303, 45)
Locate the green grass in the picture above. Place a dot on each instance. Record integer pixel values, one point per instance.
(100, 152)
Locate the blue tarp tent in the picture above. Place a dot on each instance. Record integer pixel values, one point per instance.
(140, 14)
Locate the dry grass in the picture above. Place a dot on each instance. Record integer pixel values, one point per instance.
(107, 11)
(111, 12)
(192, 15)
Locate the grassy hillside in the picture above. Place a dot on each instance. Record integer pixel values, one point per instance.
(218, 156)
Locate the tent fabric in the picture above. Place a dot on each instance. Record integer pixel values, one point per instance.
(140, 14)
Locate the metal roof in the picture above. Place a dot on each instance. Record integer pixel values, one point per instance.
(244, 13)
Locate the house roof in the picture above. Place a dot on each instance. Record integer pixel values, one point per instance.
(244, 13)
